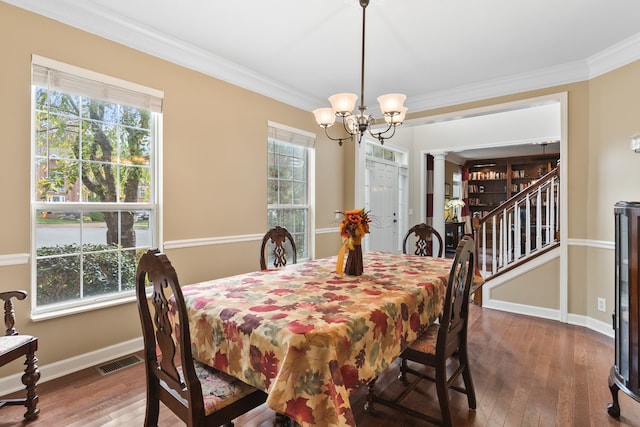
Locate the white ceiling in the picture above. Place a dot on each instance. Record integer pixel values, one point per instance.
(437, 52)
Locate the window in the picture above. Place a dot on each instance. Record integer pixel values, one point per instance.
(457, 185)
(94, 190)
(289, 191)
(379, 152)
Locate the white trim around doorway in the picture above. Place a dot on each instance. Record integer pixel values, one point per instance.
(562, 99)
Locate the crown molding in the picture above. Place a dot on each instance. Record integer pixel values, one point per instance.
(116, 28)
(616, 56)
(546, 77)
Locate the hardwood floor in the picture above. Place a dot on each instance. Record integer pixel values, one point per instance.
(526, 372)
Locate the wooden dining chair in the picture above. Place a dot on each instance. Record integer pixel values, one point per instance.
(424, 243)
(274, 244)
(15, 346)
(442, 341)
(198, 394)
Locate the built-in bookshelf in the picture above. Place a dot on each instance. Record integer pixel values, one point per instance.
(494, 181)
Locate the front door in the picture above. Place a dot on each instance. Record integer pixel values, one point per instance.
(383, 204)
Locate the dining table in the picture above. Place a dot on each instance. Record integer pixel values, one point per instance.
(309, 336)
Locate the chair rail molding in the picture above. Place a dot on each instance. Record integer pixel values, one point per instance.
(600, 244)
(14, 259)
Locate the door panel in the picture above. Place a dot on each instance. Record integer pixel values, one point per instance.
(383, 199)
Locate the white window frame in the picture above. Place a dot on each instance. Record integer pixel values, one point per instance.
(289, 135)
(117, 91)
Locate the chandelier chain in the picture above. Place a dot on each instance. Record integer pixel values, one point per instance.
(343, 104)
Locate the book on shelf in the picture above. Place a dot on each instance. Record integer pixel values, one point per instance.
(486, 175)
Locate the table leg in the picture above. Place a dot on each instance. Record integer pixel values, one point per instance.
(281, 420)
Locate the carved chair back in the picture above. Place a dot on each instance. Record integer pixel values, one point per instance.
(278, 244)
(424, 243)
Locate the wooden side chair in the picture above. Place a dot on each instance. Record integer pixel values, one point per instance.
(275, 243)
(424, 242)
(442, 341)
(14, 346)
(198, 394)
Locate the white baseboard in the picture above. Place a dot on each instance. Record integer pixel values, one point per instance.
(13, 383)
(552, 314)
(595, 325)
(527, 310)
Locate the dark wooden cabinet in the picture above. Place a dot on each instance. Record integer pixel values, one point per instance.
(453, 232)
(624, 374)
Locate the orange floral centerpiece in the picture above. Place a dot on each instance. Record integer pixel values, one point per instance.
(353, 228)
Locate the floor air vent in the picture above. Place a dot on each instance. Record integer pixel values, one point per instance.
(116, 365)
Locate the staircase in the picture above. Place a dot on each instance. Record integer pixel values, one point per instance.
(522, 228)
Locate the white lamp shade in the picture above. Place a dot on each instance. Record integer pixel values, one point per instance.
(343, 103)
(392, 102)
(396, 119)
(325, 117)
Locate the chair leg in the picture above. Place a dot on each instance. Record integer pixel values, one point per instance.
(30, 379)
(153, 406)
(402, 376)
(443, 394)
(468, 382)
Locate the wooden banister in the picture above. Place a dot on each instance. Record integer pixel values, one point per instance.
(519, 229)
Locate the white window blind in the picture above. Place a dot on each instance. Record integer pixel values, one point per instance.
(284, 133)
(62, 77)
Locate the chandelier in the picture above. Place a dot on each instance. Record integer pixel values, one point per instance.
(343, 104)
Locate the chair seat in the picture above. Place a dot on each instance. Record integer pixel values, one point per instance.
(219, 390)
(426, 343)
(14, 346)
(10, 343)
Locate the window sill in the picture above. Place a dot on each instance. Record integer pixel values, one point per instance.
(97, 304)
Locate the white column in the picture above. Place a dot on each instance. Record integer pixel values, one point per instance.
(438, 194)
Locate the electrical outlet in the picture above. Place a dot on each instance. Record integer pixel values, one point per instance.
(602, 304)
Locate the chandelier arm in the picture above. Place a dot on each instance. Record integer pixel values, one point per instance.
(380, 135)
(340, 140)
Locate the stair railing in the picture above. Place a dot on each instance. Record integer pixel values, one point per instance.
(523, 227)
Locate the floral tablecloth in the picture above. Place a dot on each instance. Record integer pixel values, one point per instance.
(309, 336)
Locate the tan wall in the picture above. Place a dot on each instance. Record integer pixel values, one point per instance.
(614, 170)
(613, 173)
(215, 166)
(544, 294)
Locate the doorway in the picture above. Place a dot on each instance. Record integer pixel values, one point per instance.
(486, 128)
(386, 196)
